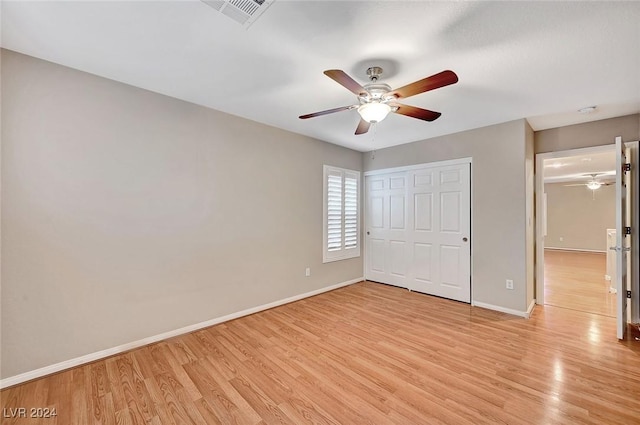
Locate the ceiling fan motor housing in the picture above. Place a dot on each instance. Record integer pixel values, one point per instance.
(375, 92)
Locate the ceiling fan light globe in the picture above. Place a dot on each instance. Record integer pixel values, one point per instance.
(594, 185)
(374, 112)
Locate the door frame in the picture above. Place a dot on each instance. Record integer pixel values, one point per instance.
(457, 161)
(634, 258)
(540, 207)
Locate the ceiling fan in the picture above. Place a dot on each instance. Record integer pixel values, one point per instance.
(592, 184)
(376, 100)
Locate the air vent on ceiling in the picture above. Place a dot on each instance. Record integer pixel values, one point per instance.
(244, 12)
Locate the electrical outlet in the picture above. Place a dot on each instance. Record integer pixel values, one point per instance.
(307, 271)
(561, 239)
(509, 284)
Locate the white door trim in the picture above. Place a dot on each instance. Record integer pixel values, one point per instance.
(635, 233)
(457, 161)
(540, 225)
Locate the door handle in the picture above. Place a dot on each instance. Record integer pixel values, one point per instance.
(368, 233)
(464, 239)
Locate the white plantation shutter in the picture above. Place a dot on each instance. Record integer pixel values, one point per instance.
(341, 214)
(334, 211)
(350, 210)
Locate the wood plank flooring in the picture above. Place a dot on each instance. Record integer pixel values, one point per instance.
(364, 354)
(575, 280)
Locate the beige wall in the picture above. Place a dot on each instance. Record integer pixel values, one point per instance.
(126, 214)
(499, 209)
(595, 133)
(579, 216)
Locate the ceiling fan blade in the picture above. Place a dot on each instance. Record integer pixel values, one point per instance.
(328, 111)
(436, 81)
(414, 112)
(344, 80)
(577, 184)
(363, 126)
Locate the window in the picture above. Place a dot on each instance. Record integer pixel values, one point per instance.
(341, 226)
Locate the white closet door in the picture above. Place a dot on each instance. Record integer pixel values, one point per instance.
(386, 204)
(418, 229)
(439, 205)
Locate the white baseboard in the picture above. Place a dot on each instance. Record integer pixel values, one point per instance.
(531, 307)
(524, 314)
(67, 364)
(553, 248)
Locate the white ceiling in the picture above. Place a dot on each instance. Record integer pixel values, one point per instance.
(581, 167)
(535, 60)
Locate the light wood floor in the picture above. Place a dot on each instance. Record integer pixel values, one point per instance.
(575, 280)
(364, 354)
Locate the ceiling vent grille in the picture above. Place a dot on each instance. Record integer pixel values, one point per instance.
(244, 12)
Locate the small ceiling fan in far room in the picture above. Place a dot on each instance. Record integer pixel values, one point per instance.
(376, 100)
(592, 184)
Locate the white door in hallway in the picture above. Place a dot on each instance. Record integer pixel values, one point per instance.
(623, 239)
(418, 225)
